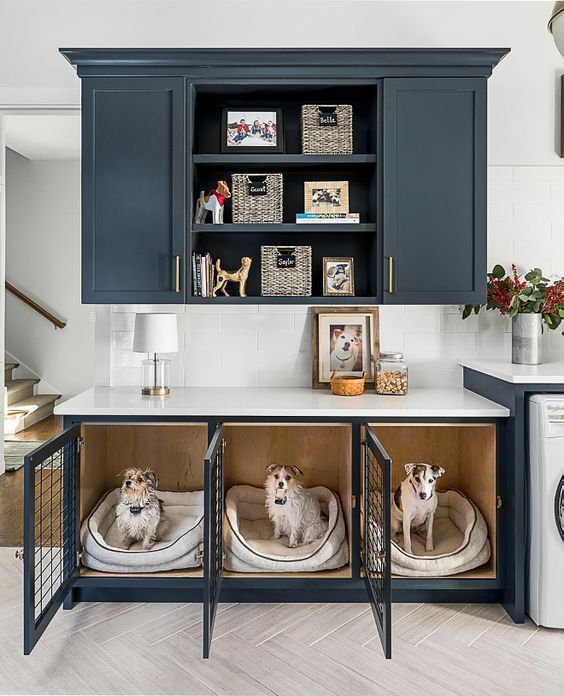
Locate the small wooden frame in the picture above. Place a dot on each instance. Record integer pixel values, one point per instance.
(326, 196)
(338, 276)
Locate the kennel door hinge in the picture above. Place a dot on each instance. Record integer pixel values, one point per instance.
(78, 558)
(20, 554)
(79, 442)
(499, 503)
(354, 502)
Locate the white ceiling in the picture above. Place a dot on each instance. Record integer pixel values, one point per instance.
(44, 136)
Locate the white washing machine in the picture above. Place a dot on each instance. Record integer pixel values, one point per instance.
(545, 597)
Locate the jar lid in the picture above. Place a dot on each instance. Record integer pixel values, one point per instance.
(391, 356)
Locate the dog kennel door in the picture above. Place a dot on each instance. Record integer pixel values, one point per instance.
(376, 535)
(213, 532)
(51, 530)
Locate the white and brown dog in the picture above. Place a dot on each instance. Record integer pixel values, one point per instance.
(415, 503)
(214, 201)
(140, 514)
(294, 511)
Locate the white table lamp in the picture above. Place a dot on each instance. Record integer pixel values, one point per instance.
(155, 333)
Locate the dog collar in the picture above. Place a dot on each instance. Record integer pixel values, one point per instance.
(280, 501)
(135, 509)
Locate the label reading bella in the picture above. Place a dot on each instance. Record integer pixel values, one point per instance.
(286, 261)
(328, 119)
(257, 189)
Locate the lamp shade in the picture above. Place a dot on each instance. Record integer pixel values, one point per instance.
(155, 333)
(556, 25)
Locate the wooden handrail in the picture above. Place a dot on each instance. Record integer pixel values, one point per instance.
(37, 307)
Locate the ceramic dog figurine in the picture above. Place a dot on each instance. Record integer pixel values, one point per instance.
(140, 514)
(294, 511)
(415, 503)
(239, 276)
(214, 201)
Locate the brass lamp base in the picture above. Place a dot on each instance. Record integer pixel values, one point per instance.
(155, 391)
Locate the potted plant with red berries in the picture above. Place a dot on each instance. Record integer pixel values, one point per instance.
(530, 301)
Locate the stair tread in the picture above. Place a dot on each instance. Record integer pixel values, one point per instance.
(11, 365)
(38, 400)
(14, 384)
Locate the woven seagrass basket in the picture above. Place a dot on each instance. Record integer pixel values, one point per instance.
(334, 138)
(346, 385)
(285, 271)
(257, 198)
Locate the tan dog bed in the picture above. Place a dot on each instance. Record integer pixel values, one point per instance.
(460, 538)
(247, 533)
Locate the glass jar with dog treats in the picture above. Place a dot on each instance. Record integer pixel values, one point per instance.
(391, 374)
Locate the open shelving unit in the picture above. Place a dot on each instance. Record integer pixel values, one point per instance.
(229, 241)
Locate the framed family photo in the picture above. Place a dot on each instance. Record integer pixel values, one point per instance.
(326, 196)
(345, 339)
(252, 130)
(338, 276)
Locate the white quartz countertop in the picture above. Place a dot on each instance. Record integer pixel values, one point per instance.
(267, 402)
(547, 373)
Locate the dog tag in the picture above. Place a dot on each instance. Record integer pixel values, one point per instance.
(286, 259)
(256, 188)
(328, 118)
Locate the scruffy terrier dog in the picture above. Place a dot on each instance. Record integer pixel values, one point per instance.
(140, 513)
(294, 511)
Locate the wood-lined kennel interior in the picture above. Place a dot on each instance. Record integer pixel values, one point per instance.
(321, 451)
(467, 453)
(174, 451)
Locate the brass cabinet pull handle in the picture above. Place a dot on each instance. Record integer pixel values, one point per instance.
(177, 283)
(390, 274)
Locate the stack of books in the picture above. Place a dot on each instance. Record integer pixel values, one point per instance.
(203, 275)
(316, 218)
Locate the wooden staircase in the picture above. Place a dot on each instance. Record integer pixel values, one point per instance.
(23, 407)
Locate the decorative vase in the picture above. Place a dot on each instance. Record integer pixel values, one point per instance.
(526, 347)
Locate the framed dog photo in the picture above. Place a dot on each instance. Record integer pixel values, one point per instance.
(252, 130)
(345, 339)
(326, 196)
(338, 276)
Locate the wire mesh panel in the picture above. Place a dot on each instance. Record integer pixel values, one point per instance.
(376, 537)
(51, 530)
(213, 533)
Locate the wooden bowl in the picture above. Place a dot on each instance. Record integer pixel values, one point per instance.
(343, 385)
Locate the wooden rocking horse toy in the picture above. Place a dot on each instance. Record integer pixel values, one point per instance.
(214, 201)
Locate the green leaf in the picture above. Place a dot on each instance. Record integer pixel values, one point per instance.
(477, 308)
(467, 311)
(498, 271)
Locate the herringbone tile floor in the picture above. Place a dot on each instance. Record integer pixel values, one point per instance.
(283, 649)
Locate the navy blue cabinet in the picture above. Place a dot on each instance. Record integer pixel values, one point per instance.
(417, 175)
(133, 189)
(434, 178)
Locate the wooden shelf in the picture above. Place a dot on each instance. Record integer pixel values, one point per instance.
(264, 228)
(265, 159)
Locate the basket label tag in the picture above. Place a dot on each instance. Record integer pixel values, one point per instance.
(257, 189)
(286, 260)
(328, 118)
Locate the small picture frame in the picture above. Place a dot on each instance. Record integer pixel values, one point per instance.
(251, 129)
(345, 340)
(326, 197)
(338, 276)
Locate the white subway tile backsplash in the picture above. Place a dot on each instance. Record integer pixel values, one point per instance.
(270, 345)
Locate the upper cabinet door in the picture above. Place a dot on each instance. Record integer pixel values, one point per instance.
(133, 189)
(434, 178)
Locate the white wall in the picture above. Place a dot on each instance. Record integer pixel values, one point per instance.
(253, 345)
(43, 259)
(522, 93)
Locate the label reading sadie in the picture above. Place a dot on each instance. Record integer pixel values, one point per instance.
(286, 261)
(257, 188)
